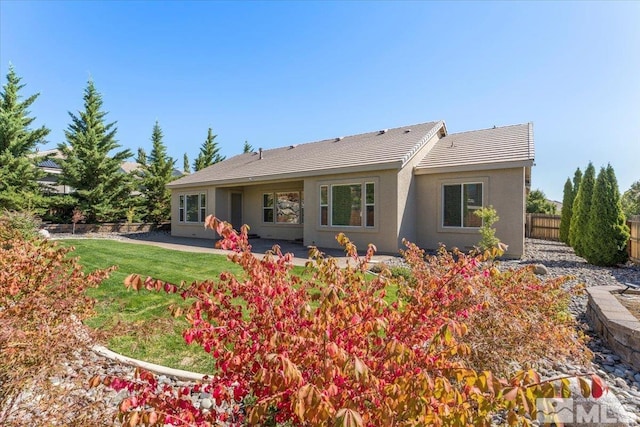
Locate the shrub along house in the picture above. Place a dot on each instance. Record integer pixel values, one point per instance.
(416, 182)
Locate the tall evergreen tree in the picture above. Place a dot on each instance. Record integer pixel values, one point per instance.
(102, 189)
(19, 188)
(577, 179)
(567, 210)
(185, 164)
(155, 172)
(607, 233)
(248, 148)
(209, 153)
(581, 210)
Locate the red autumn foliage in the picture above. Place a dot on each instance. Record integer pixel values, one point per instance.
(332, 349)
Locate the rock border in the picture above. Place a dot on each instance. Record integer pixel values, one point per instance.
(614, 323)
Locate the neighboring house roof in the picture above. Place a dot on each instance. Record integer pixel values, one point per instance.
(129, 167)
(499, 147)
(55, 153)
(48, 164)
(385, 149)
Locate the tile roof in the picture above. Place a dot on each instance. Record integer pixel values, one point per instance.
(379, 150)
(481, 149)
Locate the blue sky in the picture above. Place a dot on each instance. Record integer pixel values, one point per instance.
(280, 73)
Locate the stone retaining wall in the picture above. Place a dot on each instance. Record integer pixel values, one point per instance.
(136, 227)
(613, 322)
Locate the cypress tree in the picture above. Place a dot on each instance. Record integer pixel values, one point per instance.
(577, 178)
(185, 164)
(102, 189)
(209, 153)
(19, 187)
(155, 172)
(567, 210)
(607, 233)
(581, 210)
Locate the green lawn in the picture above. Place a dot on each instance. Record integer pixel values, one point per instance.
(139, 324)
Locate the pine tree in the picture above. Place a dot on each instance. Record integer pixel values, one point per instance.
(209, 153)
(102, 189)
(19, 188)
(155, 172)
(567, 210)
(248, 148)
(581, 210)
(607, 233)
(185, 164)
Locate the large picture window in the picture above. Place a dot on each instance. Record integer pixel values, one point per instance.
(289, 208)
(347, 205)
(460, 201)
(283, 207)
(192, 207)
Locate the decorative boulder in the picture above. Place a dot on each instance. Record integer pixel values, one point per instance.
(540, 269)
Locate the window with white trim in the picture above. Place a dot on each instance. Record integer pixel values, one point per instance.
(192, 208)
(267, 207)
(459, 202)
(324, 205)
(286, 207)
(347, 205)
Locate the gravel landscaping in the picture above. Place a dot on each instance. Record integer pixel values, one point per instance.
(557, 258)
(560, 260)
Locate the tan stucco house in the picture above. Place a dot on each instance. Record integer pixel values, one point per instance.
(416, 182)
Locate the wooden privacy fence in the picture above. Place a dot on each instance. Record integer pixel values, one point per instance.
(543, 226)
(634, 240)
(547, 227)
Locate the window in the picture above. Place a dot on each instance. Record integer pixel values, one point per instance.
(460, 201)
(345, 205)
(283, 207)
(324, 205)
(267, 207)
(203, 207)
(192, 207)
(288, 208)
(370, 204)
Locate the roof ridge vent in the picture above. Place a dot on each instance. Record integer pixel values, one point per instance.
(293, 146)
(340, 138)
(382, 131)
